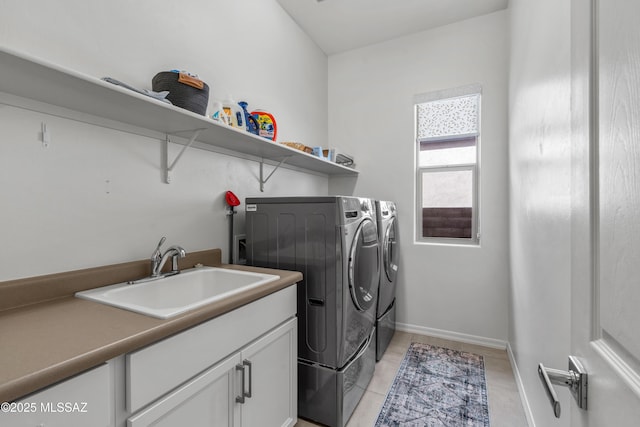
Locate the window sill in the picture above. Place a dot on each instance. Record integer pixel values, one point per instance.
(448, 243)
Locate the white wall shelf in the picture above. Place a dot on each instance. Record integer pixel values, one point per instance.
(38, 80)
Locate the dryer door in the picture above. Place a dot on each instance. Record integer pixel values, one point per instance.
(390, 251)
(364, 268)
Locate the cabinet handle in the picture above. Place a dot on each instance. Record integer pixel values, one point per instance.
(248, 363)
(240, 399)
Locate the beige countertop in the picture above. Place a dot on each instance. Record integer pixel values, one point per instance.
(45, 339)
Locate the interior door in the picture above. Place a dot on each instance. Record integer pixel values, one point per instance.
(606, 217)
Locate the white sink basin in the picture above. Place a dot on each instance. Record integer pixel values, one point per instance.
(173, 295)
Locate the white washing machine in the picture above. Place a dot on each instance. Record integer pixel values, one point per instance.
(333, 241)
(386, 307)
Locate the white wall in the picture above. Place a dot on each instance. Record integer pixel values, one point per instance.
(457, 289)
(95, 196)
(540, 197)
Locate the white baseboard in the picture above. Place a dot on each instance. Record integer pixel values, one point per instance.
(523, 396)
(454, 336)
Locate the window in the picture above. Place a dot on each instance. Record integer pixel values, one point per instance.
(447, 152)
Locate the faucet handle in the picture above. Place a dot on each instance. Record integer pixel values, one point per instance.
(157, 254)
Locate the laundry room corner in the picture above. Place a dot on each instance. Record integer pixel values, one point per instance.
(456, 290)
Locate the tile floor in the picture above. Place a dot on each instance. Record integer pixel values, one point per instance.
(505, 407)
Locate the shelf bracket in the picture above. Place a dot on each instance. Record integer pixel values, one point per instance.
(264, 180)
(166, 168)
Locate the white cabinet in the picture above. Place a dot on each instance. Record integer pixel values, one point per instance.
(254, 387)
(161, 367)
(237, 370)
(84, 400)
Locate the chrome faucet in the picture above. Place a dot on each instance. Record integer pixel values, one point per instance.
(157, 263)
(158, 260)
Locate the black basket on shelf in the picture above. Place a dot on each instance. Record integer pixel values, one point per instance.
(180, 94)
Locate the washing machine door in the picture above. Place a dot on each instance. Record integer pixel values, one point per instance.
(390, 251)
(364, 268)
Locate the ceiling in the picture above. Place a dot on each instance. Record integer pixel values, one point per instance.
(341, 25)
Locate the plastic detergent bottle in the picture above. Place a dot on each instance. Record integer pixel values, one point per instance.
(233, 110)
(218, 113)
(252, 123)
(266, 124)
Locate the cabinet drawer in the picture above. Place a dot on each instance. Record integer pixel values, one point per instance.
(84, 400)
(159, 368)
(207, 400)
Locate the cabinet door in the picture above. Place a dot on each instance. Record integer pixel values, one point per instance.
(207, 400)
(84, 400)
(272, 379)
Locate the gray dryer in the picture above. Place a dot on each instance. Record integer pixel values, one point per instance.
(333, 241)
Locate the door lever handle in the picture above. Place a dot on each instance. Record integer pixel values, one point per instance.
(575, 378)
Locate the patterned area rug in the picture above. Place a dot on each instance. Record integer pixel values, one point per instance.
(437, 387)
